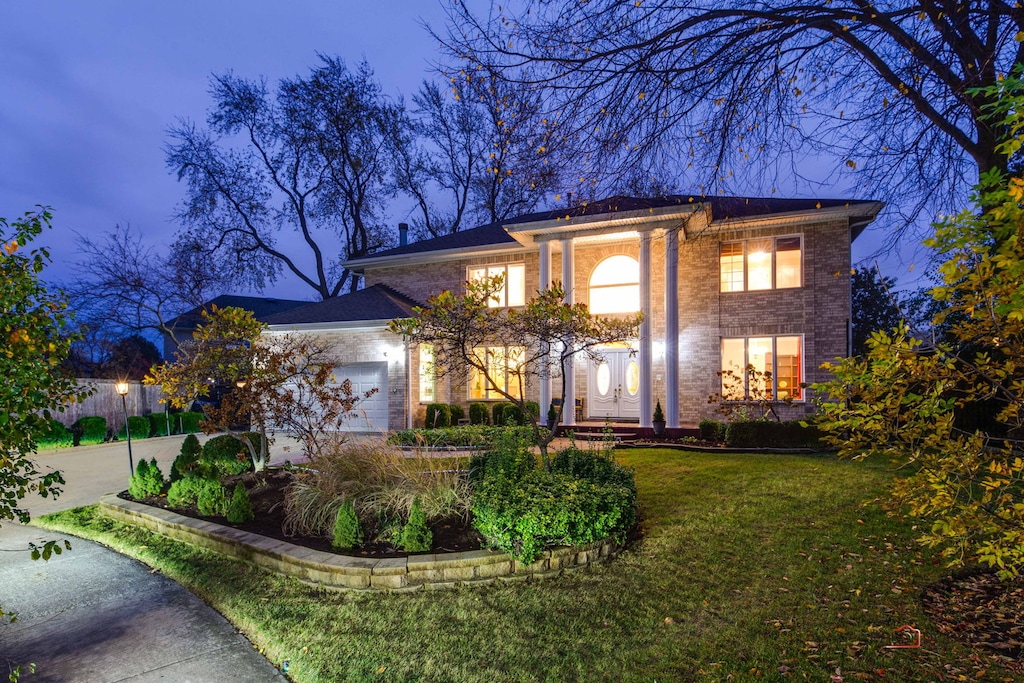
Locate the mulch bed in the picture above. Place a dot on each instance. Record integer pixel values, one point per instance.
(977, 607)
(266, 493)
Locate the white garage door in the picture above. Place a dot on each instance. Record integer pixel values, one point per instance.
(371, 413)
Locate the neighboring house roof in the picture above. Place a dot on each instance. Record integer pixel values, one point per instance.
(375, 303)
(261, 307)
(721, 209)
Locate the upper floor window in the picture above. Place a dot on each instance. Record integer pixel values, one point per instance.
(769, 263)
(768, 367)
(513, 293)
(615, 286)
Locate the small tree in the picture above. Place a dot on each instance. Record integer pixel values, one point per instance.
(748, 395)
(547, 332)
(283, 383)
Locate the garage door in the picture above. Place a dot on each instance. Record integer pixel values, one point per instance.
(371, 413)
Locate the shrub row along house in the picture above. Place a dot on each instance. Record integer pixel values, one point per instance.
(723, 283)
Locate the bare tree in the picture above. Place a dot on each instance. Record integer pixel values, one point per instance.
(738, 93)
(125, 286)
(313, 158)
(477, 154)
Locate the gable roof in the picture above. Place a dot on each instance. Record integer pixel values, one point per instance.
(495, 235)
(261, 308)
(375, 303)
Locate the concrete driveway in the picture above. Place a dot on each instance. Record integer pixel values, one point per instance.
(92, 614)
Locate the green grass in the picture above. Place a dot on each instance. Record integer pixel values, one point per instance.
(752, 567)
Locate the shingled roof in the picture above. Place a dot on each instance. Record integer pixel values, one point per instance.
(375, 303)
(261, 308)
(722, 208)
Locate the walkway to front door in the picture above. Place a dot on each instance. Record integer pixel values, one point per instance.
(614, 386)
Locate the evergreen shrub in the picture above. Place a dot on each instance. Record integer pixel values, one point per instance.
(227, 454)
(158, 424)
(416, 536)
(438, 415)
(89, 430)
(348, 534)
(188, 458)
(479, 414)
(211, 498)
(148, 480)
(187, 423)
(57, 436)
(240, 507)
(712, 430)
(140, 426)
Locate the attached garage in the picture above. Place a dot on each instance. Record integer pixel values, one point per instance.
(371, 413)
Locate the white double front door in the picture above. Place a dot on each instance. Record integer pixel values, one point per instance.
(614, 386)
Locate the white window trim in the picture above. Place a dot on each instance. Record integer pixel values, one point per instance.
(487, 390)
(504, 267)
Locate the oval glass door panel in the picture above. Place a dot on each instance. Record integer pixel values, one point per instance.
(604, 379)
(632, 378)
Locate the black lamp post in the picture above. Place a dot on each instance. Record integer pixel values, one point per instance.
(122, 389)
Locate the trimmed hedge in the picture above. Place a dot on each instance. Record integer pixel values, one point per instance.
(158, 424)
(227, 454)
(479, 414)
(57, 436)
(465, 436)
(498, 413)
(712, 430)
(140, 426)
(439, 415)
(770, 434)
(457, 413)
(89, 430)
(187, 423)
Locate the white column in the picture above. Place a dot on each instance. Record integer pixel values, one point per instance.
(544, 263)
(672, 328)
(569, 408)
(646, 386)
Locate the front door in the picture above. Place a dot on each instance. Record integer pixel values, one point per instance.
(614, 386)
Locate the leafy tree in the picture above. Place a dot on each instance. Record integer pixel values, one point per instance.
(893, 92)
(547, 330)
(36, 333)
(313, 157)
(875, 306)
(285, 382)
(914, 402)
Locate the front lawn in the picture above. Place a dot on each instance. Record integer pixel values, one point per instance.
(751, 567)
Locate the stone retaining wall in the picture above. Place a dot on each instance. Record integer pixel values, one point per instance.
(416, 572)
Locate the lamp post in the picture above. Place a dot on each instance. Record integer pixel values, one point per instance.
(122, 389)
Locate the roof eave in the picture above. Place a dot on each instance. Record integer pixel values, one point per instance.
(528, 234)
(360, 265)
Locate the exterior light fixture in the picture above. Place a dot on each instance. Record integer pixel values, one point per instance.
(122, 389)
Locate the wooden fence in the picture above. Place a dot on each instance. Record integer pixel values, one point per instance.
(105, 401)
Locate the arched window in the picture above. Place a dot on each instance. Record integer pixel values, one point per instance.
(615, 286)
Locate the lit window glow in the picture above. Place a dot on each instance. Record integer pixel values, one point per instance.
(514, 291)
(615, 286)
(779, 360)
(753, 265)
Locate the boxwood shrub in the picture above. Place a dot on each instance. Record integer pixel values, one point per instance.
(479, 414)
(227, 454)
(158, 424)
(89, 430)
(438, 415)
(465, 436)
(770, 434)
(712, 430)
(139, 425)
(187, 423)
(57, 436)
(523, 516)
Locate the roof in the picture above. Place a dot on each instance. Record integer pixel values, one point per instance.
(261, 308)
(721, 208)
(378, 302)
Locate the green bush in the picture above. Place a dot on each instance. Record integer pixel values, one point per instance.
(348, 533)
(543, 509)
(239, 508)
(465, 436)
(712, 430)
(457, 413)
(512, 415)
(479, 414)
(211, 498)
(498, 413)
(89, 430)
(185, 491)
(140, 426)
(227, 454)
(188, 458)
(148, 480)
(158, 424)
(57, 436)
(416, 536)
(595, 466)
(510, 457)
(438, 415)
(770, 434)
(187, 423)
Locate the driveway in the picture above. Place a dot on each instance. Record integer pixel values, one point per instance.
(92, 614)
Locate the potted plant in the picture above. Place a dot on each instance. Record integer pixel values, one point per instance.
(658, 421)
(552, 416)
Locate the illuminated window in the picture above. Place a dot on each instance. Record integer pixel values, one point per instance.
(762, 366)
(428, 377)
(504, 365)
(514, 291)
(615, 286)
(751, 265)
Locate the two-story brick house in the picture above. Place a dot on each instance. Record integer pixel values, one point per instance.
(722, 282)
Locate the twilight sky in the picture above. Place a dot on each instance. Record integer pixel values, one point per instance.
(88, 90)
